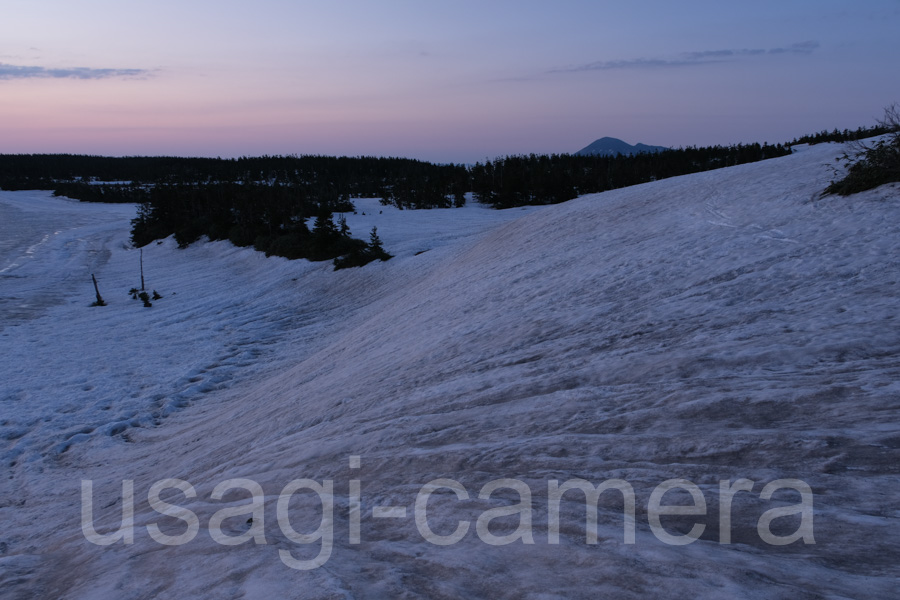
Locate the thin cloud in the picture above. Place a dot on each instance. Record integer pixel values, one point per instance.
(8, 71)
(637, 63)
(800, 48)
(706, 55)
(687, 59)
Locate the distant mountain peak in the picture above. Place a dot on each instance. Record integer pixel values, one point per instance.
(610, 146)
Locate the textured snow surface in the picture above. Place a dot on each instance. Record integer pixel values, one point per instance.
(724, 325)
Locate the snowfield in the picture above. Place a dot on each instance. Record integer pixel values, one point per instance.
(715, 327)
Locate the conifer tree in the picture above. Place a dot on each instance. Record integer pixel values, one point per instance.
(375, 249)
(375, 242)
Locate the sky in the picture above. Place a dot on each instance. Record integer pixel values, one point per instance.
(458, 81)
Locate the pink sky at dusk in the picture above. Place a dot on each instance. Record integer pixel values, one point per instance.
(454, 82)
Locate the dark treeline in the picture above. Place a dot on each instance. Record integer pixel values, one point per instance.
(522, 180)
(846, 135)
(45, 171)
(267, 201)
(408, 183)
(110, 193)
(423, 186)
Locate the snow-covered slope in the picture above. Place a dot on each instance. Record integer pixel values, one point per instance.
(719, 326)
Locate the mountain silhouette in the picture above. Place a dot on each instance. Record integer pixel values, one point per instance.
(610, 146)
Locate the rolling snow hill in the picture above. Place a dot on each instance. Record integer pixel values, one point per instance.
(729, 325)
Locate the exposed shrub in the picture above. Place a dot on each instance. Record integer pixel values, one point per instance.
(872, 165)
